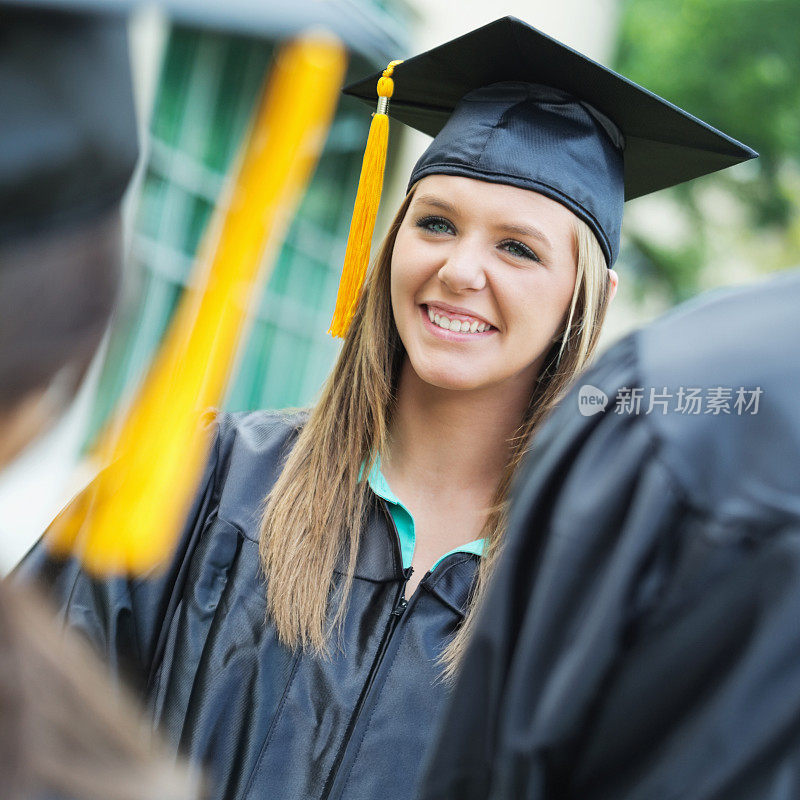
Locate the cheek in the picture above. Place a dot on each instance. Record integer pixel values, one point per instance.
(397, 279)
(400, 283)
(538, 304)
(411, 267)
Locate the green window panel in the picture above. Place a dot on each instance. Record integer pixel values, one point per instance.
(208, 87)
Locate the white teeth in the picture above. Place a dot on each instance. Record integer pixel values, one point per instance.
(456, 325)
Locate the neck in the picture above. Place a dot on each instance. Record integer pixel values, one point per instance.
(453, 440)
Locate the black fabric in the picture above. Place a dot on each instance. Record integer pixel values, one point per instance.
(558, 148)
(194, 643)
(641, 637)
(67, 124)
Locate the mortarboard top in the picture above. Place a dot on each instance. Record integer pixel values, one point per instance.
(560, 123)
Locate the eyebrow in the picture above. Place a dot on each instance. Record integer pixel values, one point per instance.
(520, 230)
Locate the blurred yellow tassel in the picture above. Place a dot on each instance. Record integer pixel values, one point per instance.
(130, 517)
(365, 210)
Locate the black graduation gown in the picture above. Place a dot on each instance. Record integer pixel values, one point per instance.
(267, 722)
(641, 639)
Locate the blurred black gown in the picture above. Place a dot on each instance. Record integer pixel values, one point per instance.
(641, 639)
(196, 646)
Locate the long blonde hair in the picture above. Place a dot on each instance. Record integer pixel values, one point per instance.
(314, 513)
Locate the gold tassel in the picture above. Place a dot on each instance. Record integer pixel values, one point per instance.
(129, 519)
(365, 210)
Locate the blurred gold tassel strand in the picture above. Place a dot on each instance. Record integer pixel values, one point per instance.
(129, 519)
(365, 210)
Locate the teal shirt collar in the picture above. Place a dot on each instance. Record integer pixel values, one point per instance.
(404, 522)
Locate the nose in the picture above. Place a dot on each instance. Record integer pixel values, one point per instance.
(462, 271)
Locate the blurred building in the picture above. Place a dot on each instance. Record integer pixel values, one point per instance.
(209, 84)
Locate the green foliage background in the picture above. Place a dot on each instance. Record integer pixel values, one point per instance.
(735, 64)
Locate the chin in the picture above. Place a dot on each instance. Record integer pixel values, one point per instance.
(448, 376)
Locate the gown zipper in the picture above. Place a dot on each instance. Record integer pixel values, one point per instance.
(398, 609)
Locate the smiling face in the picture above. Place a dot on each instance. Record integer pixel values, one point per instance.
(473, 252)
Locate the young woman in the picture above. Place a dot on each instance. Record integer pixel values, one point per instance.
(300, 641)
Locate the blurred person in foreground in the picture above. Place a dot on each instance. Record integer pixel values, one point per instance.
(641, 637)
(68, 148)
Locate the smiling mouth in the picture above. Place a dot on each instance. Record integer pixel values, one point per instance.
(461, 325)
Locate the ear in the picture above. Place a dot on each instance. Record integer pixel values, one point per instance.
(613, 282)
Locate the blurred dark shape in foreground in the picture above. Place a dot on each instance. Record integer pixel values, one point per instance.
(69, 146)
(68, 149)
(640, 638)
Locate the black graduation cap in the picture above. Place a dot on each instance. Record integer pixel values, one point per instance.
(508, 104)
(67, 125)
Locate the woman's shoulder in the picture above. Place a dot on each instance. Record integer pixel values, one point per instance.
(251, 449)
(257, 430)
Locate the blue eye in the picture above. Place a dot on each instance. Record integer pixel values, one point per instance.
(434, 224)
(440, 225)
(520, 250)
